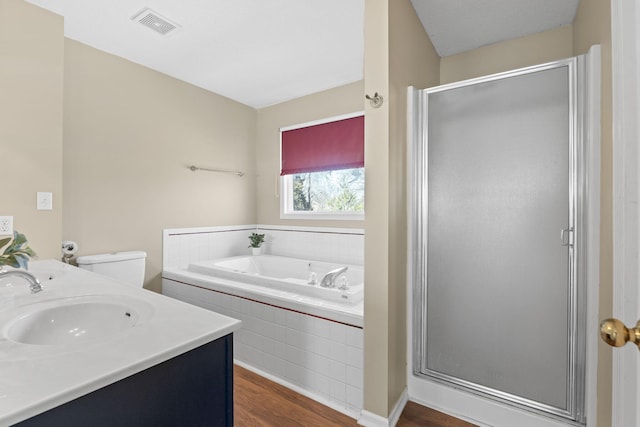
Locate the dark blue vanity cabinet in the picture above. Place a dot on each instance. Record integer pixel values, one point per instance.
(192, 389)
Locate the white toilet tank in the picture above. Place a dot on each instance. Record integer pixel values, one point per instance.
(127, 267)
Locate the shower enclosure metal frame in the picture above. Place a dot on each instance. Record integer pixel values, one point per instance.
(577, 298)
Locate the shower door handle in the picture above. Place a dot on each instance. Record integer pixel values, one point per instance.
(616, 334)
(566, 236)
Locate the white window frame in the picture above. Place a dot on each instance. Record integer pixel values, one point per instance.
(286, 181)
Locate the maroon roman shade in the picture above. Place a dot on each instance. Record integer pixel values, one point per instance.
(327, 146)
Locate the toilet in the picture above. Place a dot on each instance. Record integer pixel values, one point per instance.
(126, 267)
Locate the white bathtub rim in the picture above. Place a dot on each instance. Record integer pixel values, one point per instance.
(227, 268)
(334, 265)
(349, 314)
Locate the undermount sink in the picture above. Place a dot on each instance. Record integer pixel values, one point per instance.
(76, 320)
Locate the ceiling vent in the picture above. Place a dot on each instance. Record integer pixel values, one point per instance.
(155, 21)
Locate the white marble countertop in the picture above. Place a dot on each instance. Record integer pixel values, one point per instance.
(36, 378)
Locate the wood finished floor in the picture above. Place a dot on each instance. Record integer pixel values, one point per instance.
(259, 402)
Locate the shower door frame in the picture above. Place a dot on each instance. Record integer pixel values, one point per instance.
(581, 143)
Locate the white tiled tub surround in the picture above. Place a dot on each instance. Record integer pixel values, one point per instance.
(180, 246)
(320, 244)
(316, 357)
(184, 245)
(313, 347)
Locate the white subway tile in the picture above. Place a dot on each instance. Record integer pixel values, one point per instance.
(293, 373)
(319, 364)
(259, 361)
(239, 351)
(355, 337)
(338, 391)
(202, 245)
(338, 352)
(237, 304)
(239, 337)
(319, 384)
(354, 357)
(247, 337)
(354, 397)
(321, 346)
(268, 313)
(252, 356)
(354, 377)
(296, 338)
(295, 320)
(338, 332)
(274, 365)
(297, 356)
(308, 342)
(280, 317)
(273, 347)
(275, 332)
(252, 324)
(338, 371)
(319, 327)
(280, 367)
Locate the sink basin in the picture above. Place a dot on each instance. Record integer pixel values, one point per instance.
(76, 320)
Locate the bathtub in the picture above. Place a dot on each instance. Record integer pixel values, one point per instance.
(302, 336)
(278, 281)
(293, 275)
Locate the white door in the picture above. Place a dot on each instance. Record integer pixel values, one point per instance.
(625, 17)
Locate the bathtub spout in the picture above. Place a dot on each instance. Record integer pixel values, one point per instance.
(329, 279)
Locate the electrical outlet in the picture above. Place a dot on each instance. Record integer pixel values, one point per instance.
(44, 201)
(6, 225)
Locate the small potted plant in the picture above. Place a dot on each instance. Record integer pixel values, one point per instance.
(17, 252)
(256, 240)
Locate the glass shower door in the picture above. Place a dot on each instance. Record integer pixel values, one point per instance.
(498, 296)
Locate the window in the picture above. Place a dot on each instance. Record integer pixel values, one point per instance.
(323, 169)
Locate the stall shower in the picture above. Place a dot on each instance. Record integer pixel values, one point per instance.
(498, 292)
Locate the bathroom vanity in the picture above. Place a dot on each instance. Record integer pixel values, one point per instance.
(133, 358)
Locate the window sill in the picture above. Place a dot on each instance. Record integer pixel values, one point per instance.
(324, 216)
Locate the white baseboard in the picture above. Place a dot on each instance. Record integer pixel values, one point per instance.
(369, 419)
(311, 395)
(394, 416)
(459, 415)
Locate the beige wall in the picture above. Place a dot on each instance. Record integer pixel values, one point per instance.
(413, 61)
(31, 69)
(129, 135)
(398, 54)
(592, 25)
(321, 105)
(521, 52)
(377, 330)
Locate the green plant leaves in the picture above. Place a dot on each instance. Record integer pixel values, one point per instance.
(256, 240)
(3, 242)
(17, 252)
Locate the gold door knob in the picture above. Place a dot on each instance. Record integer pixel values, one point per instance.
(616, 334)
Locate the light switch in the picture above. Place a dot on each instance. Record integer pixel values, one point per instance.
(45, 201)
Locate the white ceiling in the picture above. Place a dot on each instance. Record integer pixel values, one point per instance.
(262, 52)
(456, 26)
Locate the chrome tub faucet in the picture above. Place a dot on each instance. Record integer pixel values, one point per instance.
(329, 279)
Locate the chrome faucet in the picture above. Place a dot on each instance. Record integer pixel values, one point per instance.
(34, 283)
(329, 279)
